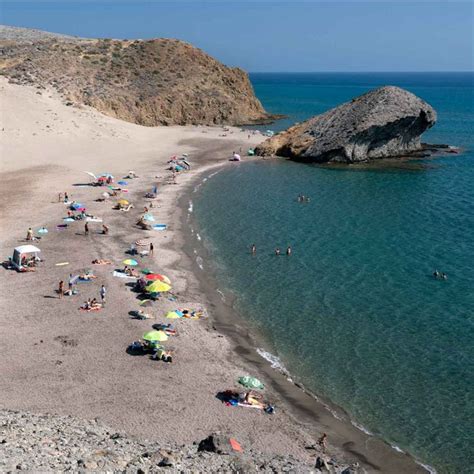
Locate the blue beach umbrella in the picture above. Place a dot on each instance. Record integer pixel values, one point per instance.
(148, 217)
(122, 183)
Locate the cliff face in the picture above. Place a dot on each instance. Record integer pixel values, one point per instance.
(153, 82)
(385, 122)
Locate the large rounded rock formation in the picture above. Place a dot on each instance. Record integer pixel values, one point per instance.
(385, 122)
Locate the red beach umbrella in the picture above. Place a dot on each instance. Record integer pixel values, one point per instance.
(157, 276)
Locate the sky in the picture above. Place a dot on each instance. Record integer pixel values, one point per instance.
(277, 36)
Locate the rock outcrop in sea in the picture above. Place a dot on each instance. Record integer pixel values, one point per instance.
(383, 123)
(148, 82)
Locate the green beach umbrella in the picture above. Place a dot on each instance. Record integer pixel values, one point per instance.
(155, 336)
(251, 382)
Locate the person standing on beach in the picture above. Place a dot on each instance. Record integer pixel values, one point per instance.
(103, 291)
(86, 229)
(66, 197)
(70, 283)
(29, 234)
(151, 248)
(253, 249)
(61, 289)
(60, 197)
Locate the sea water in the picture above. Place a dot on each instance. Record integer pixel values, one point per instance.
(355, 313)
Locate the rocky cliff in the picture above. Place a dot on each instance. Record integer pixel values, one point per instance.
(385, 122)
(148, 82)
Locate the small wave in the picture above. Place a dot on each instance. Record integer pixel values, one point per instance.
(396, 448)
(221, 294)
(198, 236)
(190, 207)
(361, 428)
(213, 174)
(275, 362)
(428, 468)
(204, 180)
(199, 262)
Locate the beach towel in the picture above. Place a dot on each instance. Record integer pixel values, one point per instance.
(93, 219)
(159, 227)
(142, 242)
(60, 264)
(123, 275)
(89, 310)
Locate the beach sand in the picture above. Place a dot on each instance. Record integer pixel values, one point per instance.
(57, 359)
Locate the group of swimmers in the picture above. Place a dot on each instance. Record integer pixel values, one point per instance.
(439, 275)
(253, 250)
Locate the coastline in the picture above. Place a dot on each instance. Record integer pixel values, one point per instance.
(309, 411)
(69, 369)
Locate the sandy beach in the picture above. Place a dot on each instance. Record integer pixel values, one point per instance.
(58, 359)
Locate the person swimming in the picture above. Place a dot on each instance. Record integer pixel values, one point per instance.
(277, 251)
(288, 251)
(253, 249)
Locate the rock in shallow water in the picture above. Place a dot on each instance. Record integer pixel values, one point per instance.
(385, 122)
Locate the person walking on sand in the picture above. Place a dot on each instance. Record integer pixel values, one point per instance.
(103, 292)
(253, 249)
(152, 248)
(288, 251)
(60, 197)
(322, 441)
(66, 197)
(61, 289)
(86, 229)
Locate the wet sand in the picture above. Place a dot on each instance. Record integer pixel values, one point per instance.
(57, 359)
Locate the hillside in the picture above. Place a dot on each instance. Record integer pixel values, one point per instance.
(148, 82)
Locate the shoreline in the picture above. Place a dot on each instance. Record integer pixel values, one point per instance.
(305, 407)
(69, 368)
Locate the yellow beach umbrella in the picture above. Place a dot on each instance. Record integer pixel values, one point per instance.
(123, 202)
(158, 287)
(172, 315)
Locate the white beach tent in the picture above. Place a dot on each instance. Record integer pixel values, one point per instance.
(22, 250)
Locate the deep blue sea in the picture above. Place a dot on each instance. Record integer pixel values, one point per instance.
(354, 313)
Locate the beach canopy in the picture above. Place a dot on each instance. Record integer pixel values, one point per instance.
(130, 261)
(157, 276)
(27, 249)
(155, 336)
(157, 287)
(251, 382)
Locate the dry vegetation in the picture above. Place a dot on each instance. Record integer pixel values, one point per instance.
(153, 82)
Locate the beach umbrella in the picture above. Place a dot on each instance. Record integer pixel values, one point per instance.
(146, 303)
(146, 271)
(251, 382)
(43, 230)
(123, 183)
(157, 276)
(77, 205)
(158, 287)
(148, 217)
(106, 175)
(130, 261)
(155, 336)
(92, 175)
(123, 202)
(172, 315)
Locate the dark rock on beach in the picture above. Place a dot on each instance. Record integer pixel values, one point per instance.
(383, 123)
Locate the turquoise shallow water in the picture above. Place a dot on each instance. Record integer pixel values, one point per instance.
(354, 313)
